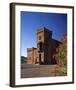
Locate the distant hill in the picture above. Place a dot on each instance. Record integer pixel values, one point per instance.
(23, 59)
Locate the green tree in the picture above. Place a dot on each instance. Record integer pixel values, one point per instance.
(63, 56)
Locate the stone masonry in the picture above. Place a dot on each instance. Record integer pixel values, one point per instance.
(47, 51)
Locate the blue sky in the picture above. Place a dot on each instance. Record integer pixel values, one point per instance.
(31, 21)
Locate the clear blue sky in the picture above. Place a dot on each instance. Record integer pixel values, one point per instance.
(31, 21)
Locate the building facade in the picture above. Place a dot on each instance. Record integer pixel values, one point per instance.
(47, 51)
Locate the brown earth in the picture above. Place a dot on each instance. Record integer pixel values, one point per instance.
(28, 71)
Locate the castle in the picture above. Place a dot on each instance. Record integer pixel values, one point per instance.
(47, 51)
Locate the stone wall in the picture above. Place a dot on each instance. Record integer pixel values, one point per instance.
(31, 55)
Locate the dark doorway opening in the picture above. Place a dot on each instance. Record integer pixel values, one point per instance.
(39, 58)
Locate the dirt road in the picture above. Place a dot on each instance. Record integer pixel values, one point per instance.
(28, 71)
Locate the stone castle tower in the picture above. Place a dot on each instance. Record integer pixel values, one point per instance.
(46, 48)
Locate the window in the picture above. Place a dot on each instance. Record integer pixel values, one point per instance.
(39, 45)
(39, 37)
